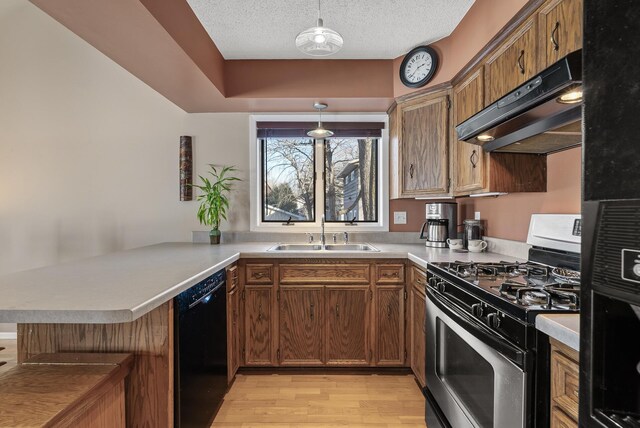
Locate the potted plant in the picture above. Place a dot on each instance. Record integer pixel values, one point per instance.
(214, 200)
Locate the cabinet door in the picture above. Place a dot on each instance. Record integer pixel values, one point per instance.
(258, 340)
(233, 333)
(300, 322)
(468, 159)
(389, 333)
(418, 331)
(347, 325)
(513, 63)
(424, 144)
(560, 27)
(559, 419)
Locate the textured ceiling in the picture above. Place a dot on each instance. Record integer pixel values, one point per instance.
(372, 29)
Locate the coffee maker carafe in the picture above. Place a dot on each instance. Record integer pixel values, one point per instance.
(440, 224)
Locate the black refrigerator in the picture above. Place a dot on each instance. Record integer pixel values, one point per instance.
(610, 297)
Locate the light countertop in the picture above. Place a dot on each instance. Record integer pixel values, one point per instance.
(122, 286)
(564, 328)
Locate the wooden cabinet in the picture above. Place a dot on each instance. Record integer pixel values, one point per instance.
(468, 166)
(233, 323)
(389, 326)
(324, 273)
(418, 329)
(259, 273)
(301, 328)
(560, 29)
(258, 332)
(347, 325)
(423, 135)
(564, 385)
(390, 273)
(512, 63)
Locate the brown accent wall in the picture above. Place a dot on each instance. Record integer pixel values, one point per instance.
(483, 21)
(508, 216)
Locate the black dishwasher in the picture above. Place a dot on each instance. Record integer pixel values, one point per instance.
(200, 351)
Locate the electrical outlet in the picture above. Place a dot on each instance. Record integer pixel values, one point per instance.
(399, 217)
(476, 215)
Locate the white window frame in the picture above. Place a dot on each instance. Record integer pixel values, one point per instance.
(257, 225)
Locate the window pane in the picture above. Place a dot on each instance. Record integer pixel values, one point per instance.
(287, 171)
(351, 184)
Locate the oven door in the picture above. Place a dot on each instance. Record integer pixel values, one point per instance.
(474, 375)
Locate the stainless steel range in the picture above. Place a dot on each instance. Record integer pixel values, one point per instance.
(481, 340)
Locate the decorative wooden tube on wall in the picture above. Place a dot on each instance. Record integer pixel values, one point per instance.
(186, 168)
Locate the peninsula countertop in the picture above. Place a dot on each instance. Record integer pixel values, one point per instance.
(123, 286)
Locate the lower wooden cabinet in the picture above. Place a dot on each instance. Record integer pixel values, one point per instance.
(347, 324)
(301, 325)
(418, 331)
(258, 331)
(324, 321)
(389, 326)
(565, 377)
(233, 332)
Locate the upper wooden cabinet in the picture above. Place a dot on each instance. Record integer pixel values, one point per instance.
(514, 62)
(423, 135)
(560, 29)
(468, 160)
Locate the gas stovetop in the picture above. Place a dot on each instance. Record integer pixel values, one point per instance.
(521, 289)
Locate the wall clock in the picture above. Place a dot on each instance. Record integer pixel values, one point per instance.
(418, 66)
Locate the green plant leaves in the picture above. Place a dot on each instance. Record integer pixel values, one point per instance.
(214, 199)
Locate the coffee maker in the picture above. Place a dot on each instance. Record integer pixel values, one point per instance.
(440, 224)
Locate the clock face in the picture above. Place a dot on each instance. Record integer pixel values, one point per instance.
(418, 67)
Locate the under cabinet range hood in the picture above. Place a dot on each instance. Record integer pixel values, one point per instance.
(541, 116)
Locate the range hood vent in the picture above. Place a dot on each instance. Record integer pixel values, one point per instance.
(541, 116)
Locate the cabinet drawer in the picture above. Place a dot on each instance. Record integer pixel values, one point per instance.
(324, 274)
(390, 273)
(564, 383)
(418, 276)
(559, 419)
(259, 273)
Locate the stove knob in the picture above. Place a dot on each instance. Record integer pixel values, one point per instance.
(493, 320)
(476, 310)
(442, 286)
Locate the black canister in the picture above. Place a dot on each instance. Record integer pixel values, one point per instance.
(472, 230)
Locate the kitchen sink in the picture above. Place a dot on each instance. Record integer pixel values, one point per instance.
(328, 247)
(350, 247)
(296, 247)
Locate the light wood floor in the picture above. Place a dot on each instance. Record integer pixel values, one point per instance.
(9, 354)
(305, 401)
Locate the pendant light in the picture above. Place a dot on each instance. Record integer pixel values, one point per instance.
(320, 132)
(319, 40)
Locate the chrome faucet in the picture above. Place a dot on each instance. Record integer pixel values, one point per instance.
(323, 240)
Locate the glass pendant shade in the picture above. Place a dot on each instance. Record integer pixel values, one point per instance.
(320, 132)
(319, 41)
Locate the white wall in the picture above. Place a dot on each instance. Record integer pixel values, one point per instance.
(89, 153)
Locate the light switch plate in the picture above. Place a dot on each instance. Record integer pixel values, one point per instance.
(399, 217)
(477, 215)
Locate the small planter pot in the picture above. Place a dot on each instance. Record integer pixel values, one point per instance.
(214, 237)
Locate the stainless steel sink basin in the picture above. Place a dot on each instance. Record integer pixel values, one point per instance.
(350, 247)
(318, 247)
(296, 247)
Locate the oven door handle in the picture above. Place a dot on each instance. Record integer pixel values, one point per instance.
(480, 332)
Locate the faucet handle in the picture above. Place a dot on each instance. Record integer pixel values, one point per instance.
(346, 237)
(309, 237)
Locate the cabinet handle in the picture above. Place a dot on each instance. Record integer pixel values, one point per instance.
(411, 170)
(521, 61)
(337, 310)
(311, 311)
(474, 159)
(554, 37)
(390, 275)
(258, 275)
(389, 311)
(260, 313)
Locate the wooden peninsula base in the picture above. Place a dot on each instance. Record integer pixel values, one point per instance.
(149, 388)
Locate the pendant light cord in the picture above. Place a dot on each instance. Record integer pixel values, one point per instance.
(319, 16)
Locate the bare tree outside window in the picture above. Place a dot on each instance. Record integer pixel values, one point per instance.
(288, 179)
